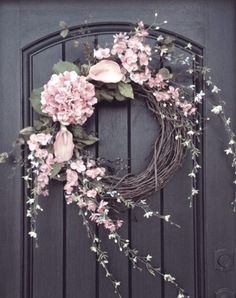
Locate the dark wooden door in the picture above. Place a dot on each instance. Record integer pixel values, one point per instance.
(201, 253)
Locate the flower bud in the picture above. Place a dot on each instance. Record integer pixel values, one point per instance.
(63, 146)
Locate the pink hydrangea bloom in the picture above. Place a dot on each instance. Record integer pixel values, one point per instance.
(68, 98)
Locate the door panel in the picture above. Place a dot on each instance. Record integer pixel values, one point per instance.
(63, 265)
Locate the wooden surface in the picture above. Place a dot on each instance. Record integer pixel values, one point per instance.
(63, 266)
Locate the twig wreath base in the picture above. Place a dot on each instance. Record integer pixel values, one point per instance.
(168, 152)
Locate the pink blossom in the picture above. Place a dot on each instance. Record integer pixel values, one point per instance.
(95, 172)
(63, 145)
(92, 193)
(91, 206)
(135, 44)
(38, 139)
(119, 47)
(141, 77)
(106, 71)
(78, 165)
(143, 59)
(161, 95)
(68, 98)
(174, 92)
(71, 181)
(102, 53)
(158, 81)
(102, 206)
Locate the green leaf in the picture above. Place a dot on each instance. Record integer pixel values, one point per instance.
(25, 134)
(42, 123)
(104, 95)
(82, 136)
(120, 97)
(165, 73)
(35, 100)
(26, 131)
(62, 66)
(56, 168)
(126, 90)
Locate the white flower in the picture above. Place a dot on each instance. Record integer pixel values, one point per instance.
(215, 89)
(190, 132)
(198, 97)
(33, 234)
(231, 142)
(188, 46)
(217, 109)
(167, 217)
(192, 175)
(168, 277)
(194, 191)
(148, 257)
(148, 214)
(228, 151)
(228, 121)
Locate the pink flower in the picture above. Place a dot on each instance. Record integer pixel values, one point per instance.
(143, 59)
(174, 92)
(158, 81)
(91, 206)
(38, 139)
(102, 206)
(106, 71)
(92, 193)
(68, 98)
(79, 166)
(63, 146)
(161, 96)
(71, 181)
(102, 53)
(95, 172)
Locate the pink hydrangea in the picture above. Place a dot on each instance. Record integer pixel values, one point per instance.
(68, 98)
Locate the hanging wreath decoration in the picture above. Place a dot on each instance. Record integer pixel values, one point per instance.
(57, 142)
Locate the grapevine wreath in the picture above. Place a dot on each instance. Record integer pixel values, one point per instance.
(57, 143)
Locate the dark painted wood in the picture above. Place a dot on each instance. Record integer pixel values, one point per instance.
(63, 266)
(47, 260)
(80, 260)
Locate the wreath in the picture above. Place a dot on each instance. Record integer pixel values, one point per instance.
(57, 144)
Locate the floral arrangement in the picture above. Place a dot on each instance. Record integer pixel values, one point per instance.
(57, 142)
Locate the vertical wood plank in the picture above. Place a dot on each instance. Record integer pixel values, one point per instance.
(80, 261)
(48, 258)
(146, 233)
(10, 123)
(113, 144)
(220, 227)
(178, 244)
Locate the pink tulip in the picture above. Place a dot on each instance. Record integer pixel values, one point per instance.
(63, 146)
(106, 71)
